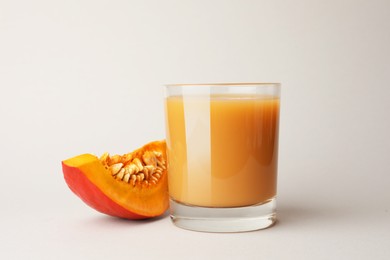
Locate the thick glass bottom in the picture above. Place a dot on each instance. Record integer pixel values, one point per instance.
(238, 219)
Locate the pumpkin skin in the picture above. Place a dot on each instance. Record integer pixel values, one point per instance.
(92, 181)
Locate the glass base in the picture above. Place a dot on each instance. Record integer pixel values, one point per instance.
(238, 219)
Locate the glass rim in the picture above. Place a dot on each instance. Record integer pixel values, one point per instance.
(229, 84)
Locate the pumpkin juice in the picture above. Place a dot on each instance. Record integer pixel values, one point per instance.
(222, 149)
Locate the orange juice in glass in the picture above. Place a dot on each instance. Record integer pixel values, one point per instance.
(222, 146)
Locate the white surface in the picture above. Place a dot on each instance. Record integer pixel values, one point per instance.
(85, 76)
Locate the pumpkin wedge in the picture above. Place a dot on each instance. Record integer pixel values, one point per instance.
(131, 186)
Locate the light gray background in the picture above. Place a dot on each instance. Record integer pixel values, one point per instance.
(86, 76)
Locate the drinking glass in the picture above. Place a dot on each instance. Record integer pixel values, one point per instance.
(222, 149)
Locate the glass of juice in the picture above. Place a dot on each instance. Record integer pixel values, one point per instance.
(222, 148)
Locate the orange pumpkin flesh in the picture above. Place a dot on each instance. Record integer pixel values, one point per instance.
(93, 181)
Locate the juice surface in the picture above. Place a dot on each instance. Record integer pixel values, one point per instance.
(222, 149)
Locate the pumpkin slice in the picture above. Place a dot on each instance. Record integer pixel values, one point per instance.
(132, 186)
